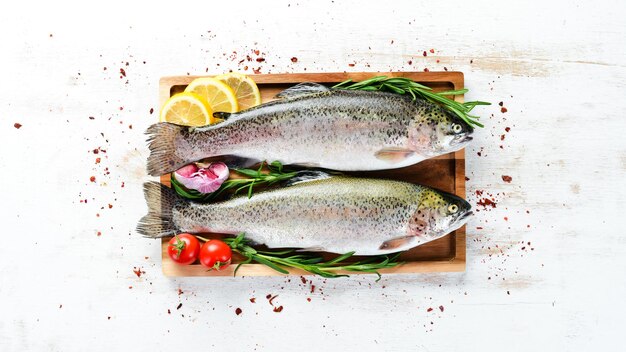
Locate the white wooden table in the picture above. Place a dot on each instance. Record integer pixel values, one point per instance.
(545, 267)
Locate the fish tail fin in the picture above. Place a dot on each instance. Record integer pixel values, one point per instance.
(161, 142)
(158, 222)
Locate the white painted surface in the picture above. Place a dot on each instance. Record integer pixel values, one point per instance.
(559, 67)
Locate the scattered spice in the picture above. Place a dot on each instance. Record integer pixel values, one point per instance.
(92, 179)
(424, 53)
(507, 179)
(503, 109)
(238, 311)
(485, 202)
(508, 129)
(432, 51)
(138, 271)
(151, 111)
(294, 59)
(278, 309)
(179, 306)
(252, 300)
(122, 72)
(260, 59)
(272, 298)
(441, 308)
(303, 279)
(97, 160)
(17, 125)
(429, 310)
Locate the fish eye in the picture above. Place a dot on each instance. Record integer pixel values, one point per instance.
(456, 128)
(453, 208)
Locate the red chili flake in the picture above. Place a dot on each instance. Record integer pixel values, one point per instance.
(179, 305)
(507, 179)
(169, 311)
(486, 202)
(252, 300)
(502, 137)
(312, 288)
(506, 218)
(123, 72)
(110, 206)
(437, 60)
(92, 179)
(137, 271)
(122, 184)
(479, 228)
(99, 234)
(151, 111)
(467, 178)
(351, 65)
(294, 59)
(268, 296)
(503, 109)
(432, 51)
(180, 292)
(441, 308)
(424, 53)
(130, 127)
(96, 151)
(410, 62)
(97, 160)
(238, 311)
(426, 70)
(303, 279)
(17, 125)
(121, 108)
(272, 298)
(256, 70)
(429, 310)
(508, 129)
(308, 299)
(278, 309)
(256, 52)
(260, 59)
(501, 103)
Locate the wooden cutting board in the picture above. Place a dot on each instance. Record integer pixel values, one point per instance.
(446, 172)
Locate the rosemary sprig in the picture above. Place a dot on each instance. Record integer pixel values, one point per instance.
(401, 85)
(255, 178)
(277, 260)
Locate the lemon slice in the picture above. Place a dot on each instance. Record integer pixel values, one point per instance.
(217, 94)
(188, 109)
(245, 89)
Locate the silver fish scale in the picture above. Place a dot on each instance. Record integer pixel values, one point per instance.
(336, 214)
(337, 130)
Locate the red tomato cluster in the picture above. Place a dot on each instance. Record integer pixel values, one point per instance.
(185, 248)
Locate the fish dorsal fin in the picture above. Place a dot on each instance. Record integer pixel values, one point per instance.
(301, 90)
(306, 176)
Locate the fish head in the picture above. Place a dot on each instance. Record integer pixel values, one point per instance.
(438, 131)
(438, 214)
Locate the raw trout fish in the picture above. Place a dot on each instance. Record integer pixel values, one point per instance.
(314, 126)
(323, 213)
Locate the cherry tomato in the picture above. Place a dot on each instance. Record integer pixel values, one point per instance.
(215, 254)
(184, 248)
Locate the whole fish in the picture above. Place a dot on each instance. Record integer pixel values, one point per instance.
(312, 125)
(327, 213)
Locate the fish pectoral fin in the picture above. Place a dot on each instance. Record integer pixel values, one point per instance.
(302, 89)
(394, 155)
(398, 243)
(306, 176)
(311, 249)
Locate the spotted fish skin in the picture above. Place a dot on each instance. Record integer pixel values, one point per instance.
(334, 129)
(334, 214)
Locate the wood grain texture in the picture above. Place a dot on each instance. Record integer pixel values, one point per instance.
(549, 277)
(446, 172)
